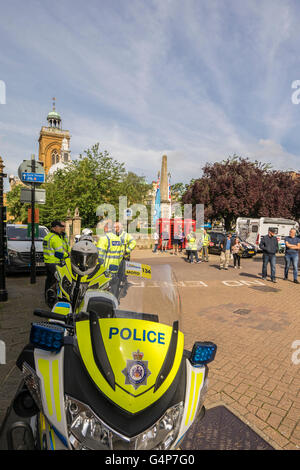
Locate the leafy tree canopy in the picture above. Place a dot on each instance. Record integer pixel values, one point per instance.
(93, 179)
(240, 187)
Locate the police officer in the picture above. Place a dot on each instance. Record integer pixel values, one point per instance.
(129, 243)
(111, 248)
(111, 251)
(54, 249)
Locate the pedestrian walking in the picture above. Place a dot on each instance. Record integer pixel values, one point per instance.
(225, 251)
(205, 245)
(236, 250)
(292, 244)
(156, 241)
(269, 247)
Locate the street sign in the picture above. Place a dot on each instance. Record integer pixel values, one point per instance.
(26, 167)
(128, 213)
(33, 177)
(40, 196)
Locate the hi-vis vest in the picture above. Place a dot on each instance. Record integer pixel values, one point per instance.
(128, 242)
(111, 251)
(53, 243)
(192, 242)
(206, 239)
(66, 244)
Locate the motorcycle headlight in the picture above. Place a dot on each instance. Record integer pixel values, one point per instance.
(87, 431)
(164, 432)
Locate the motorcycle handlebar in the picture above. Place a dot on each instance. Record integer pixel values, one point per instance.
(57, 316)
(46, 314)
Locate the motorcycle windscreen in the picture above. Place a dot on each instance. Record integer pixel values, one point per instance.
(157, 296)
(134, 357)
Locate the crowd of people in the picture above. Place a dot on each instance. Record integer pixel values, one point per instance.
(117, 245)
(231, 248)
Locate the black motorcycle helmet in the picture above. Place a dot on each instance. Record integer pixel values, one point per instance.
(84, 257)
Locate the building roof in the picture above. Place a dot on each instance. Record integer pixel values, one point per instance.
(53, 115)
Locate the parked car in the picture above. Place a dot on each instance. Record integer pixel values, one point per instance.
(216, 237)
(19, 246)
(249, 250)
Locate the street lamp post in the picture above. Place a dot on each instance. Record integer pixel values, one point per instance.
(3, 291)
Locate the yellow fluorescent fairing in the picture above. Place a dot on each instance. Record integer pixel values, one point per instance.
(98, 279)
(122, 337)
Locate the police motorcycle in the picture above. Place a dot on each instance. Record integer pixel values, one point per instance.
(72, 282)
(114, 376)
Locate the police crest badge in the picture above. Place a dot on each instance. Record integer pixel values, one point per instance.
(136, 371)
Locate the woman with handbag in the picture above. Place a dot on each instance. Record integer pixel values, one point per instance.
(237, 250)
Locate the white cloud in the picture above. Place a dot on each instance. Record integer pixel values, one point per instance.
(197, 81)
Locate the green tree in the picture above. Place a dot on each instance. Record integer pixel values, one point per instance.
(135, 188)
(240, 187)
(93, 179)
(15, 207)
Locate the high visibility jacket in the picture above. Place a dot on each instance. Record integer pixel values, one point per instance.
(66, 244)
(128, 242)
(192, 242)
(111, 251)
(206, 239)
(53, 244)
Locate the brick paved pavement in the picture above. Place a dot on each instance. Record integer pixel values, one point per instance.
(253, 322)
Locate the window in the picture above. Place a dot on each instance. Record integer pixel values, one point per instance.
(19, 233)
(254, 228)
(54, 157)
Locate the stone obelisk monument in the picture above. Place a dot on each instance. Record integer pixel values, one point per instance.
(165, 203)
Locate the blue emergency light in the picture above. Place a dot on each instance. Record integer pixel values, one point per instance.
(47, 336)
(203, 352)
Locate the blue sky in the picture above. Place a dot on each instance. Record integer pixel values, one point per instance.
(197, 80)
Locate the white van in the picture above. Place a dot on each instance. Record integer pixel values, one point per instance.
(19, 246)
(251, 230)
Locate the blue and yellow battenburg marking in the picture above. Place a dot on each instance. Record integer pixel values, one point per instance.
(196, 382)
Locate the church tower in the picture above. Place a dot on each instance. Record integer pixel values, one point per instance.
(54, 143)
